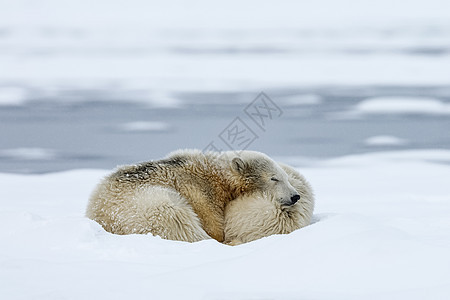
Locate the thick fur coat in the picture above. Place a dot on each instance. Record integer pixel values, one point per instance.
(253, 216)
(184, 196)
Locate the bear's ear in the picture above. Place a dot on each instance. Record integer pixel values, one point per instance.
(238, 164)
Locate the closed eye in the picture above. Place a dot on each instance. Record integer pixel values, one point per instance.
(274, 179)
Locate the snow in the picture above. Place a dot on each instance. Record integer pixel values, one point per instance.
(12, 96)
(143, 126)
(403, 105)
(199, 45)
(29, 154)
(385, 140)
(381, 231)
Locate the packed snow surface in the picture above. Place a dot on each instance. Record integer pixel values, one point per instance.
(381, 231)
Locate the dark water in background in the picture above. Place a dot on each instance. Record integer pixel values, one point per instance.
(87, 134)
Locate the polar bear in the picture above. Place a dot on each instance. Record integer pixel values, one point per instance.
(183, 197)
(253, 216)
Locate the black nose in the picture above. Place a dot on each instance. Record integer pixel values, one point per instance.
(295, 198)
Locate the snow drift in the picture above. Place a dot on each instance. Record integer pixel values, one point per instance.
(380, 231)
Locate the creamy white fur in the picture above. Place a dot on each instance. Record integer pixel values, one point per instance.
(158, 210)
(133, 200)
(252, 217)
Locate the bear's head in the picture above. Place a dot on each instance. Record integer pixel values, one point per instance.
(262, 174)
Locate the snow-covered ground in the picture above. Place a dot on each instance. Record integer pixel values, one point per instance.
(381, 231)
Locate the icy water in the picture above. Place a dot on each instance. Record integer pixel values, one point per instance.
(313, 123)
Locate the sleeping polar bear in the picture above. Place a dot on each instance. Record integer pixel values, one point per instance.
(251, 217)
(184, 196)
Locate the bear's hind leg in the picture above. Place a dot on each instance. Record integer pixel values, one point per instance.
(163, 211)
